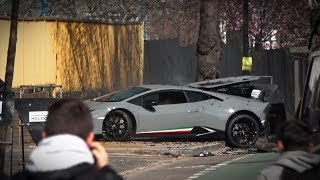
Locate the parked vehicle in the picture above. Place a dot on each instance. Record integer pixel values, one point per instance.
(309, 111)
(236, 106)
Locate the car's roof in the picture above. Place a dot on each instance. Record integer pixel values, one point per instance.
(161, 86)
(167, 86)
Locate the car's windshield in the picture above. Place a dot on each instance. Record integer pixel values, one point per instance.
(121, 95)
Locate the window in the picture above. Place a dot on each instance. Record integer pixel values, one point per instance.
(121, 95)
(165, 97)
(194, 96)
(312, 98)
(151, 98)
(172, 97)
(137, 101)
(315, 97)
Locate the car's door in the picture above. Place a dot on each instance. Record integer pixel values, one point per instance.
(166, 111)
(208, 109)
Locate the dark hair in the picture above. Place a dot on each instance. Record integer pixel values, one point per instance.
(69, 116)
(295, 135)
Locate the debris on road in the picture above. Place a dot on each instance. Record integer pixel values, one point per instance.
(175, 155)
(204, 154)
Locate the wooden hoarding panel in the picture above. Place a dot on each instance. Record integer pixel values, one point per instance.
(35, 59)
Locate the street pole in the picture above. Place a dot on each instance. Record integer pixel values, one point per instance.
(245, 31)
(245, 28)
(7, 104)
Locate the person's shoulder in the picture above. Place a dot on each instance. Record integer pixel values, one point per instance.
(19, 176)
(311, 174)
(89, 172)
(2, 175)
(78, 172)
(272, 172)
(108, 173)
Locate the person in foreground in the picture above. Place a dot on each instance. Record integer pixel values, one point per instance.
(68, 149)
(3, 176)
(294, 144)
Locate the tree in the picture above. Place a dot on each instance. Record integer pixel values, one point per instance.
(173, 19)
(182, 19)
(209, 45)
(283, 19)
(9, 74)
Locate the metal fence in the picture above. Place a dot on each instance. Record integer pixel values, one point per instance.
(167, 63)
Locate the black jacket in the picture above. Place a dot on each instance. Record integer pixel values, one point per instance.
(289, 164)
(82, 171)
(2, 175)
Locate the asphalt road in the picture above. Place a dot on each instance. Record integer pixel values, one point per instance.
(182, 168)
(128, 163)
(220, 167)
(122, 163)
(141, 165)
(245, 167)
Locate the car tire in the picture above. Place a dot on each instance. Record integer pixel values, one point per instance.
(242, 131)
(117, 126)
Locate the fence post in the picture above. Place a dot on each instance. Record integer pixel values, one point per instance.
(6, 119)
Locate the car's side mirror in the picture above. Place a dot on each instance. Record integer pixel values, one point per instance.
(148, 105)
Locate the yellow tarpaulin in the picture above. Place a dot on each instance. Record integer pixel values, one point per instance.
(246, 63)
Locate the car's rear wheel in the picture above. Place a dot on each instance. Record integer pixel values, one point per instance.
(242, 131)
(117, 126)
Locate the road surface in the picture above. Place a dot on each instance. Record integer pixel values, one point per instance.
(220, 167)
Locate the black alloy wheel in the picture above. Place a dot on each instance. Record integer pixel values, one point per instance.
(242, 131)
(117, 126)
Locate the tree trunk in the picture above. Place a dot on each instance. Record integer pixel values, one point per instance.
(258, 46)
(9, 77)
(209, 45)
(245, 28)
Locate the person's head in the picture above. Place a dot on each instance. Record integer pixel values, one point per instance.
(294, 135)
(69, 116)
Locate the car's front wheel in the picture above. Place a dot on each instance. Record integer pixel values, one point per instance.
(117, 125)
(242, 131)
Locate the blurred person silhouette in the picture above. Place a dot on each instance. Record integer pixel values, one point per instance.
(68, 149)
(3, 176)
(295, 145)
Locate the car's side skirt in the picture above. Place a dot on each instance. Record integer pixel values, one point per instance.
(169, 131)
(199, 130)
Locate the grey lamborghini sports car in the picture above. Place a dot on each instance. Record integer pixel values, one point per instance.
(233, 105)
